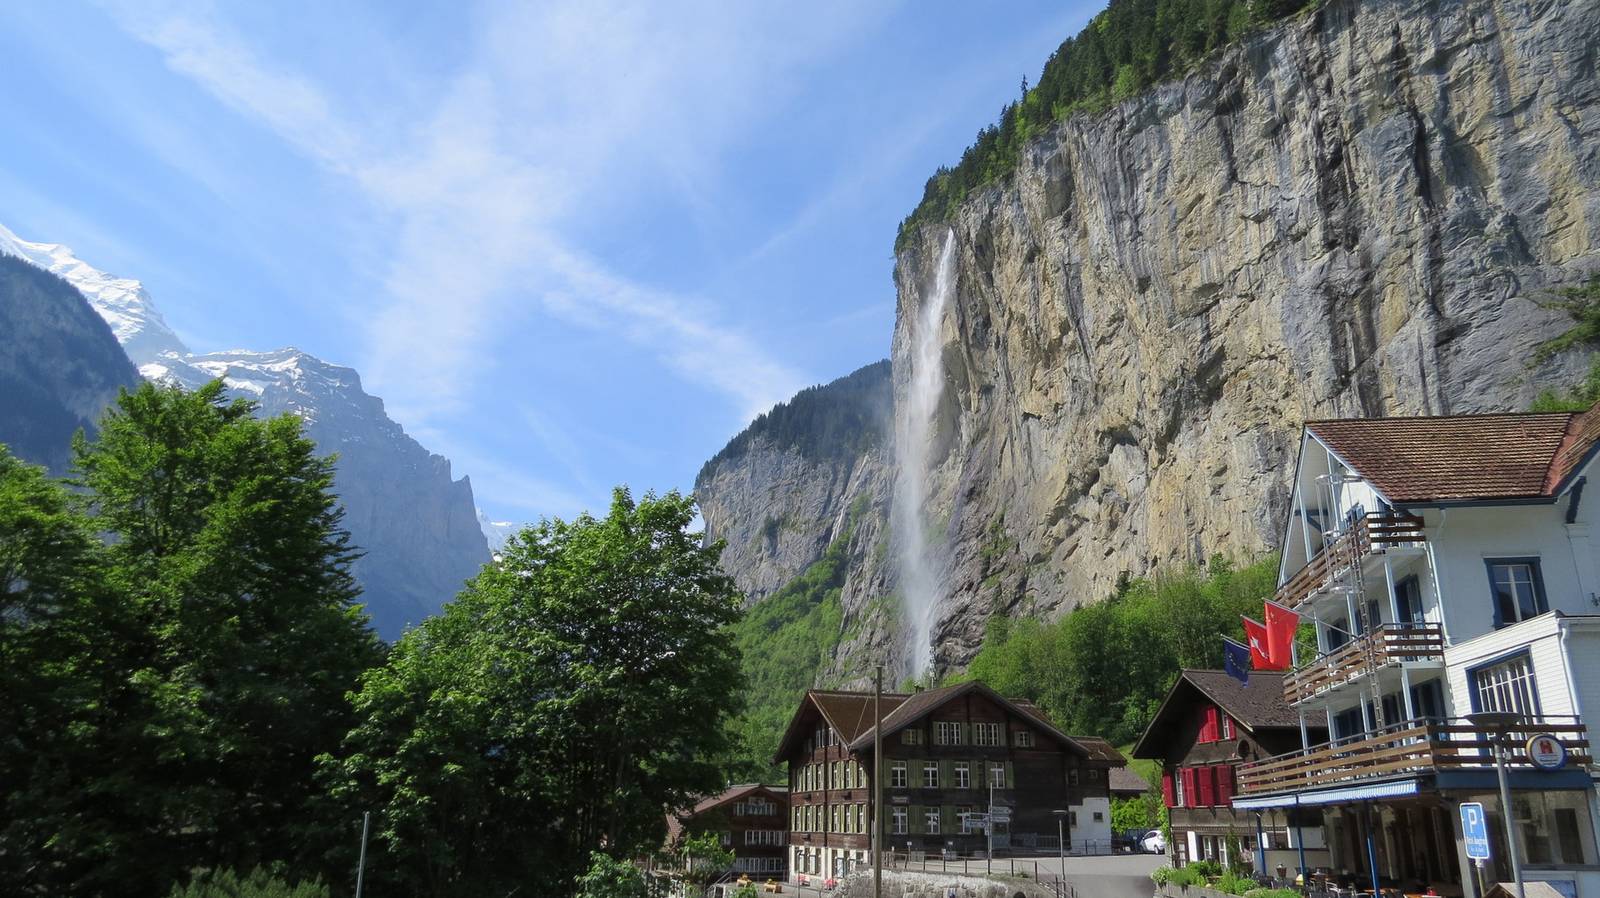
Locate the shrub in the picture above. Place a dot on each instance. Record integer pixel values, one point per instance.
(258, 883)
(1272, 893)
(1205, 868)
(1161, 875)
(1234, 884)
(1187, 876)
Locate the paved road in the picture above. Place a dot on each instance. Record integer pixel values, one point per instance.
(1105, 876)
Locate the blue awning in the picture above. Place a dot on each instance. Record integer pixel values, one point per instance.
(1365, 792)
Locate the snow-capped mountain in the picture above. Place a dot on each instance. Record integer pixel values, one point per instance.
(496, 532)
(122, 302)
(416, 524)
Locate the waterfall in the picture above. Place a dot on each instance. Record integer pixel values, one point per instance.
(914, 432)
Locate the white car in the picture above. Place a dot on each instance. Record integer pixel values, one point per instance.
(1153, 842)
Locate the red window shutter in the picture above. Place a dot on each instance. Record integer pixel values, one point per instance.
(1209, 733)
(1207, 793)
(1166, 788)
(1190, 799)
(1225, 785)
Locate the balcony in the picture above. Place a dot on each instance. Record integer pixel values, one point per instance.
(1385, 645)
(1373, 533)
(1412, 748)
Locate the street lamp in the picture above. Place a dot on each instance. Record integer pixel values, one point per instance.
(1061, 840)
(1499, 723)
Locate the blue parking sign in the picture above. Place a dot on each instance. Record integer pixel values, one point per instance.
(1475, 830)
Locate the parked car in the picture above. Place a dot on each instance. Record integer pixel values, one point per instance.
(1153, 842)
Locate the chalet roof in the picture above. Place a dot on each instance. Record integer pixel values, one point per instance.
(1101, 750)
(1464, 457)
(1127, 781)
(849, 713)
(732, 793)
(1258, 705)
(921, 704)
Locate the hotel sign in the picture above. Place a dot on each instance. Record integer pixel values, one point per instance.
(1546, 752)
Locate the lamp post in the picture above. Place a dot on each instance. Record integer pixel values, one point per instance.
(1061, 841)
(1499, 723)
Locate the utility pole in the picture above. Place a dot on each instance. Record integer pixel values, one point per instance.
(877, 784)
(361, 865)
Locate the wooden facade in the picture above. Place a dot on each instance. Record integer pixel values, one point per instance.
(947, 752)
(750, 820)
(1208, 727)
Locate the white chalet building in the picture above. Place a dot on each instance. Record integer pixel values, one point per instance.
(1449, 566)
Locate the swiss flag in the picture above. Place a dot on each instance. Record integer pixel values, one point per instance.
(1281, 626)
(1255, 634)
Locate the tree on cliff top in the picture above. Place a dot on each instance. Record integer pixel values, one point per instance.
(1129, 46)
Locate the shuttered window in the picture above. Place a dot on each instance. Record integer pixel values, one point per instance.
(1166, 789)
(1208, 795)
(1225, 785)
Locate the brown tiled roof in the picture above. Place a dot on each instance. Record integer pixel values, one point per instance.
(923, 703)
(732, 793)
(1461, 457)
(1256, 706)
(1101, 750)
(1126, 780)
(849, 713)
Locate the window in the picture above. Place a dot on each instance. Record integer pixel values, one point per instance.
(861, 818)
(930, 821)
(1518, 589)
(849, 774)
(1072, 777)
(1208, 725)
(1024, 738)
(833, 819)
(897, 774)
(1072, 818)
(997, 776)
(969, 825)
(963, 775)
(1099, 817)
(930, 775)
(986, 734)
(947, 732)
(763, 837)
(910, 737)
(1408, 598)
(1506, 686)
(1178, 784)
(1227, 727)
(727, 839)
(899, 818)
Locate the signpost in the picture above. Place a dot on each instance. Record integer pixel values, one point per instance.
(1475, 830)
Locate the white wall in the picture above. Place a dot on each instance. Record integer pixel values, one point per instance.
(1086, 829)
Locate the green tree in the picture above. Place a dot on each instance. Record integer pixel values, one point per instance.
(610, 878)
(572, 692)
(209, 656)
(705, 859)
(71, 718)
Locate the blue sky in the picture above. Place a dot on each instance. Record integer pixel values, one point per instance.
(570, 244)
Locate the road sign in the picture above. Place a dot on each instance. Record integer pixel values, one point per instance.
(1475, 830)
(1546, 752)
(1000, 813)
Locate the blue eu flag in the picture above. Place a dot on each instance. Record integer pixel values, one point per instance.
(1236, 660)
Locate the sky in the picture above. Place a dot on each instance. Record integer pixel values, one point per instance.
(571, 245)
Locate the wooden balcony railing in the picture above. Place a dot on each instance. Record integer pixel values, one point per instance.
(1372, 532)
(1385, 645)
(1410, 748)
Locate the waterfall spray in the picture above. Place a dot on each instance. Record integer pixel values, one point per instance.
(914, 432)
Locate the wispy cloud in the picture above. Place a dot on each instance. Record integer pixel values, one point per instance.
(481, 186)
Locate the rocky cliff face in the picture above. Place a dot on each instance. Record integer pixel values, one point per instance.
(1352, 214)
(782, 490)
(60, 365)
